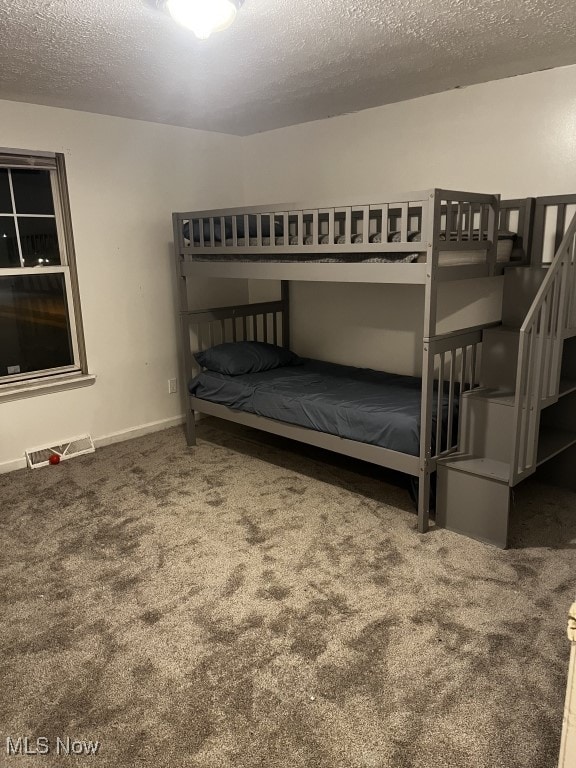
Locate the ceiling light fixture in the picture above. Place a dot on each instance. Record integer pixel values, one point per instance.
(204, 16)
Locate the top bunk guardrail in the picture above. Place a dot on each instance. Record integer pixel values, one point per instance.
(552, 216)
(409, 226)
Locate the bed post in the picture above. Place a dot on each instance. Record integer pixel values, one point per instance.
(285, 298)
(430, 302)
(185, 333)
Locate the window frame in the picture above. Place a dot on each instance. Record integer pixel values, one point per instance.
(53, 162)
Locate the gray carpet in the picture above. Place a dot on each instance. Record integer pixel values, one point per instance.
(252, 604)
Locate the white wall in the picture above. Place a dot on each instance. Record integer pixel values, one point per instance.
(515, 137)
(125, 179)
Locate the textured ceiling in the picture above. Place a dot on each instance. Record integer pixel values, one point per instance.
(282, 61)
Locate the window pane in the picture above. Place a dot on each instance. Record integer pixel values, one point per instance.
(5, 199)
(32, 191)
(39, 241)
(34, 327)
(8, 244)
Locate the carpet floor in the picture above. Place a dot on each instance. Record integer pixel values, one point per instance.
(249, 603)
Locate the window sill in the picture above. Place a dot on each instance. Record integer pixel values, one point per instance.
(45, 386)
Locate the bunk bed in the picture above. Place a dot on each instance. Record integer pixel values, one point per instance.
(422, 238)
(494, 402)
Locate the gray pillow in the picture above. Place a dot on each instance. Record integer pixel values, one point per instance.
(237, 357)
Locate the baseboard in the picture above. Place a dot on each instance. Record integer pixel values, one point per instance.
(114, 437)
(143, 429)
(13, 465)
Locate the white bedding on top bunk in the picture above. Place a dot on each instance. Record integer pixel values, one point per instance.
(446, 258)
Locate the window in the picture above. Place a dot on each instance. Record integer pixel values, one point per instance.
(40, 325)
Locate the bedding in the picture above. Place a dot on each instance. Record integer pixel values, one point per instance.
(238, 357)
(447, 258)
(355, 403)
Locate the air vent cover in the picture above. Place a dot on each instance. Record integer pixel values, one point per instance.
(68, 449)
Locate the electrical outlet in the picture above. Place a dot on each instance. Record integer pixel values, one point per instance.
(172, 386)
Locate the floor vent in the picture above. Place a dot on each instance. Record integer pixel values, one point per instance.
(54, 454)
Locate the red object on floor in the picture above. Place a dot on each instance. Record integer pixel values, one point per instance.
(54, 459)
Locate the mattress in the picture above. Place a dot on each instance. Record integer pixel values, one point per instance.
(356, 403)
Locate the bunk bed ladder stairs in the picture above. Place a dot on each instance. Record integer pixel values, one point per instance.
(524, 413)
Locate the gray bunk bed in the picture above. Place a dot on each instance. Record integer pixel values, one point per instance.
(424, 238)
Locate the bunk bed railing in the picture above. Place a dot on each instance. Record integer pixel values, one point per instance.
(551, 318)
(450, 368)
(331, 228)
(264, 321)
(518, 216)
(467, 220)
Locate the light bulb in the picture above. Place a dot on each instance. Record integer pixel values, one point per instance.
(202, 16)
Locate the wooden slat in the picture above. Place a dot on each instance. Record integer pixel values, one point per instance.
(384, 225)
(451, 388)
(314, 227)
(483, 227)
(199, 337)
(331, 228)
(463, 361)
(459, 222)
(259, 229)
(366, 223)
(348, 225)
(222, 232)
(300, 228)
(449, 218)
(560, 225)
(246, 229)
(529, 398)
(440, 406)
(470, 222)
(404, 222)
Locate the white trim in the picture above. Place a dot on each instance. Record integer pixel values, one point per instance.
(25, 154)
(13, 465)
(20, 271)
(143, 429)
(50, 384)
(22, 379)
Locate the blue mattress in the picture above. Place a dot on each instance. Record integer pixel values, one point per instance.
(356, 403)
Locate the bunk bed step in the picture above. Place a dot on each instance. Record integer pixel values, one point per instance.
(521, 284)
(500, 357)
(487, 424)
(478, 465)
(473, 498)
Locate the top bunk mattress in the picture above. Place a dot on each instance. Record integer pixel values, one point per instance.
(356, 403)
